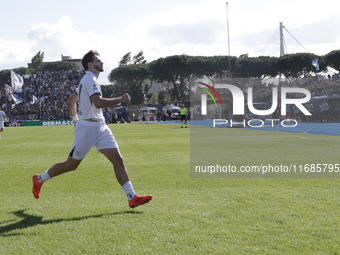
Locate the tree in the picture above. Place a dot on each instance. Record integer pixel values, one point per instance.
(107, 90)
(37, 62)
(139, 58)
(297, 65)
(221, 65)
(131, 79)
(269, 66)
(332, 59)
(131, 76)
(256, 66)
(178, 70)
(58, 66)
(5, 77)
(214, 67)
(126, 59)
(154, 99)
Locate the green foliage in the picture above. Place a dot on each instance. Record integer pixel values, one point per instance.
(37, 62)
(296, 65)
(332, 59)
(256, 67)
(154, 99)
(130, 78)
(126, 59)
(107, 90)
(212, 66)
(58, 66)
(162, 97)
(177, 70)
(137, 59)
(5, 78)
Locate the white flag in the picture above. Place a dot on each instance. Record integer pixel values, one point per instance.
(34, 100)
(17, 82)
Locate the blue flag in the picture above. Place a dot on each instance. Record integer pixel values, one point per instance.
(17, 99)
(316, 64)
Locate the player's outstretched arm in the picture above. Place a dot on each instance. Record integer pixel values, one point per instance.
(100, 102)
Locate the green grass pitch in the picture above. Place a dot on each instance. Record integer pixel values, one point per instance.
(86, 211)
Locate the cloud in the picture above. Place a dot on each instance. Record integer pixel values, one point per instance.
(201, 32)
(49, 37)
(191, 27)
(54, 40)
(14, 53)
(319, 37)
(61, 38)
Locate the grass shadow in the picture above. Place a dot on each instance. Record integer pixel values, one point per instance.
(29, 221)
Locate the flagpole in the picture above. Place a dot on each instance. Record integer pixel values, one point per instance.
(228, 40)
(24, 91)
(282, 50)
(6, 99)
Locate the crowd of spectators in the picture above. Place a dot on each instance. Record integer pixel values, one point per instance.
(316, 85)
(44, 96)
(325, 92)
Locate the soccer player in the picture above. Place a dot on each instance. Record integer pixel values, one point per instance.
(183, 112)
(2, 121)
(91, 130)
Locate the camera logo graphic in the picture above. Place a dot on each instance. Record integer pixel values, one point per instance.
(204, 97)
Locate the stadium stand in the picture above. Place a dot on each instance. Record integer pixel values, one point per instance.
(51, 89)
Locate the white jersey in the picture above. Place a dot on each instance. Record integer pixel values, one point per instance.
(2, 119)
(88, 86)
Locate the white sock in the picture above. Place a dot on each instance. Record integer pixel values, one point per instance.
(128, 189)
(44, 177)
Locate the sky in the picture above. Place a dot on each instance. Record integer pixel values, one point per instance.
(162, 28)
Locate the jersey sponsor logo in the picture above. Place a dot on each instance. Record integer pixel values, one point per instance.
(95, 87)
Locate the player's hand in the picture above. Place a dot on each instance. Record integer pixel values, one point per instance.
(125, 98)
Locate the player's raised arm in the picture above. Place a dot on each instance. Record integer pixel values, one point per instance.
(100, 102)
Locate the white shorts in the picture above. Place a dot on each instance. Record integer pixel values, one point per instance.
(88, 134)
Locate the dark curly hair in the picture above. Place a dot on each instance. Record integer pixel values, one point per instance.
(88, 57)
